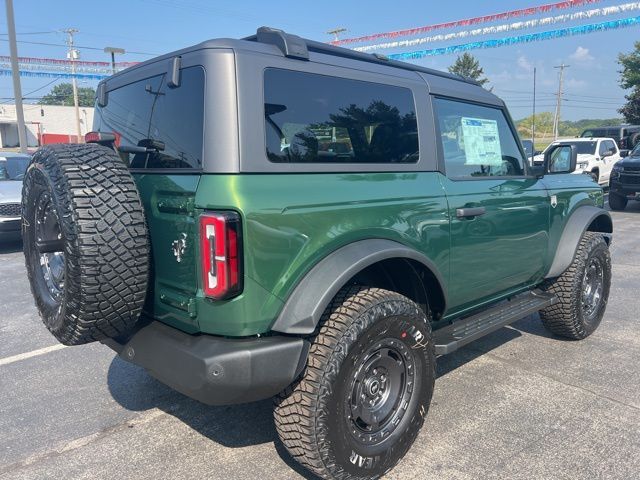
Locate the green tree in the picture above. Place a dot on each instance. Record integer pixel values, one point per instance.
(544, 125)
(468, 66)
(62, 94)
(630, 80)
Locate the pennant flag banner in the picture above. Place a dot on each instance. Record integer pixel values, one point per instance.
(80, 76)
(68, 63)
(588, 14)
(524, 12)
(532, 37)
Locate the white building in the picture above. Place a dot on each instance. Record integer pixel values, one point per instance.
(44, 124)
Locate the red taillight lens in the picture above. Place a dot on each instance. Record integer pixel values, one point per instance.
(220, 254)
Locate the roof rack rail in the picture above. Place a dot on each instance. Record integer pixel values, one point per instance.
(291, 45)
(297, 47)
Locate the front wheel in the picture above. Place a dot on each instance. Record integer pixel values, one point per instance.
(582, 291)
(366, 388)
(617, 202)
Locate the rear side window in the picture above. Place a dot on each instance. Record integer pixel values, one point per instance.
(167, 121)
(477, 141)
(313, 118)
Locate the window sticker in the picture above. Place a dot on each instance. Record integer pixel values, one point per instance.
(481, 142)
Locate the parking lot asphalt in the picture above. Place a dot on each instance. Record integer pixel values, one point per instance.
(518, 404)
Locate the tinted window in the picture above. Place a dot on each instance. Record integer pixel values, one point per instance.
(13, 168)
(607, 146)
(320, 119)
(477, 141)
(597, 132)
(150, 114)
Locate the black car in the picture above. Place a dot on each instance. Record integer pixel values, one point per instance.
(626, 136)
(625, 180)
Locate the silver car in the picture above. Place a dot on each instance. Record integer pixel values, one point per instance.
(12, 169)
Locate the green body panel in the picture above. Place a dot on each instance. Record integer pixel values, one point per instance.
(292, 221)
(501, 250)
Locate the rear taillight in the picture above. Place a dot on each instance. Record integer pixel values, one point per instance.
(220, 254)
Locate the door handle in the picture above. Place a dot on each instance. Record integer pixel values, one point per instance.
(470, 212)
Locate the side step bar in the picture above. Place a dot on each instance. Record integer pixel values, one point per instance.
(466, 330)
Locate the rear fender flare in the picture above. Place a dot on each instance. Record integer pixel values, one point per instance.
(578, 223)
(304, 307)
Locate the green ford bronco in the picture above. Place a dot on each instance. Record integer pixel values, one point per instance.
(276, 217)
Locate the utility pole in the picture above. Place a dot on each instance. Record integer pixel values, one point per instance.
(113, 51)
(15, 73)
(556, 121)
(533, 119)
(73, 55)
(336, 32)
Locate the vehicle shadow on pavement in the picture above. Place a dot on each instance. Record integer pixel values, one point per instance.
(250, 424)
(234, 426)
(13, 246)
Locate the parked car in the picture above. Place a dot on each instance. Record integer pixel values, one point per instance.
(625, 180)
(12, 169)
(625, 136)
(596, 157)
(312, 239)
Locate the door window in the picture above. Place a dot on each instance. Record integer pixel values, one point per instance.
(477, 141)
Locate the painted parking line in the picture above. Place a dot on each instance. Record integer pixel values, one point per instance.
(31, 354)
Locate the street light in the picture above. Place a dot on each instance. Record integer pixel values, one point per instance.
(113, 51)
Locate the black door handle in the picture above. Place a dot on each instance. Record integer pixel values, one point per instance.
(470, 212)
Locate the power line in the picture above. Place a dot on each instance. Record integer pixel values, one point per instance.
(78, 46)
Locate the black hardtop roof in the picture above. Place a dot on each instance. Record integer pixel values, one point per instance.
(256, 43)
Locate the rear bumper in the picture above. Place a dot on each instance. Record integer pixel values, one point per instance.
(215, 370)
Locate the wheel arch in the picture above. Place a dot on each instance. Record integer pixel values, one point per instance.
(584, 219)
(381, 263)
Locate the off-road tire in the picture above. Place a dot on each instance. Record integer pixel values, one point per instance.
(617, 202)
(566, 317)
(105, 247)
(309, 414)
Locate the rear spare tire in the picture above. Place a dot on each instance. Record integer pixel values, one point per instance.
(85, 242)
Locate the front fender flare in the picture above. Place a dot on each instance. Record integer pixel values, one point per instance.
(574, 229)
(304, 307)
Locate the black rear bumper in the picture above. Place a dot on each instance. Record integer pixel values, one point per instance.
(215, 370)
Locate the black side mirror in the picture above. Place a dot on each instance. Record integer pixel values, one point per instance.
(561, 159)
(624, 153)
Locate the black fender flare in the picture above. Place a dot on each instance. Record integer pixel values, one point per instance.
(578, 223)
(309, 299)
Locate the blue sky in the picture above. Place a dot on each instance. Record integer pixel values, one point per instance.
(159, 26)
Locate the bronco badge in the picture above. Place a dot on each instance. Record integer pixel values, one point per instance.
(179, 246)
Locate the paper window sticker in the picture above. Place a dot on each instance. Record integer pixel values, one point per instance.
(481, 142)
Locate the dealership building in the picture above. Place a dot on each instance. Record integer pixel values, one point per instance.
(44, 124)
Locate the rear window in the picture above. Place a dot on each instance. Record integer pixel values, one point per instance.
(149, 113)
(320, 119)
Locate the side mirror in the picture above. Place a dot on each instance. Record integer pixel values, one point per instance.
(608, 153)
(538, 152)
(561, 159)
(624, 153)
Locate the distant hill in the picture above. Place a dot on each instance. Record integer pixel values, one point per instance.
(544, 125)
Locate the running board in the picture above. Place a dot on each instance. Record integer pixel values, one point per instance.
(466, 330)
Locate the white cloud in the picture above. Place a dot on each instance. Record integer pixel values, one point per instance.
(581, 55)
(525, 64)
(575, 83)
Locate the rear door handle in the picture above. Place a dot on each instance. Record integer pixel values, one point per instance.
(470, 212)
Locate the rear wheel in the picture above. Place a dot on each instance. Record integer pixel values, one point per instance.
(85, 242)
(617, 202)
(365, 391)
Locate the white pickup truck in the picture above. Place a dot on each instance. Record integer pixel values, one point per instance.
(596, 157)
